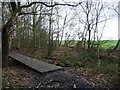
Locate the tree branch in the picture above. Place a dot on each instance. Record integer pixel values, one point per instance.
(13, 5)
(74, 5)
(33, 13)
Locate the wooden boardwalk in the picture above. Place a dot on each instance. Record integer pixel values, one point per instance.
(34, 63)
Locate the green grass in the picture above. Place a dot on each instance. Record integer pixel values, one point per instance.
(105, 44)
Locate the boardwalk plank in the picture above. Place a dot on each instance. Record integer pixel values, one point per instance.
(36, 64)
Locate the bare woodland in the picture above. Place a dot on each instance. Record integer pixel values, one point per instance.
(57, 31)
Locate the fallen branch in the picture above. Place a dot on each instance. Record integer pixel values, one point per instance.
(51, 81)
(38, 85)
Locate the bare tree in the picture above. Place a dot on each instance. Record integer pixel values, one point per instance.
(117, 10)
(16, 10)
(93, 11)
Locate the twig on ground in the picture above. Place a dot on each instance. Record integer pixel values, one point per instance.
(38, 85)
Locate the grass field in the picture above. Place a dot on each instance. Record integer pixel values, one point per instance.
(105, 44)
(108, 43)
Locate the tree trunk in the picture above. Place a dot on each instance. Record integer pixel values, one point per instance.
(18, 33)
(89, 43)
(49, 39)
(50, 48)
(5, 47)
(5, 40)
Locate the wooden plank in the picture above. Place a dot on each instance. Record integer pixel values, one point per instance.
(34, 63)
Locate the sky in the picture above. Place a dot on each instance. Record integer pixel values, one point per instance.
(111, 29)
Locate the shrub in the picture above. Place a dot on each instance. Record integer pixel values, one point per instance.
(107, 68)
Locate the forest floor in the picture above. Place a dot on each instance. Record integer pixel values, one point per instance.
(21, 76)
(80, 70)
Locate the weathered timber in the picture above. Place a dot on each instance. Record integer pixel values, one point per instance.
(36, 64)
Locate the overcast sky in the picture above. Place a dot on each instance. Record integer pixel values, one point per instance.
(111, 29)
